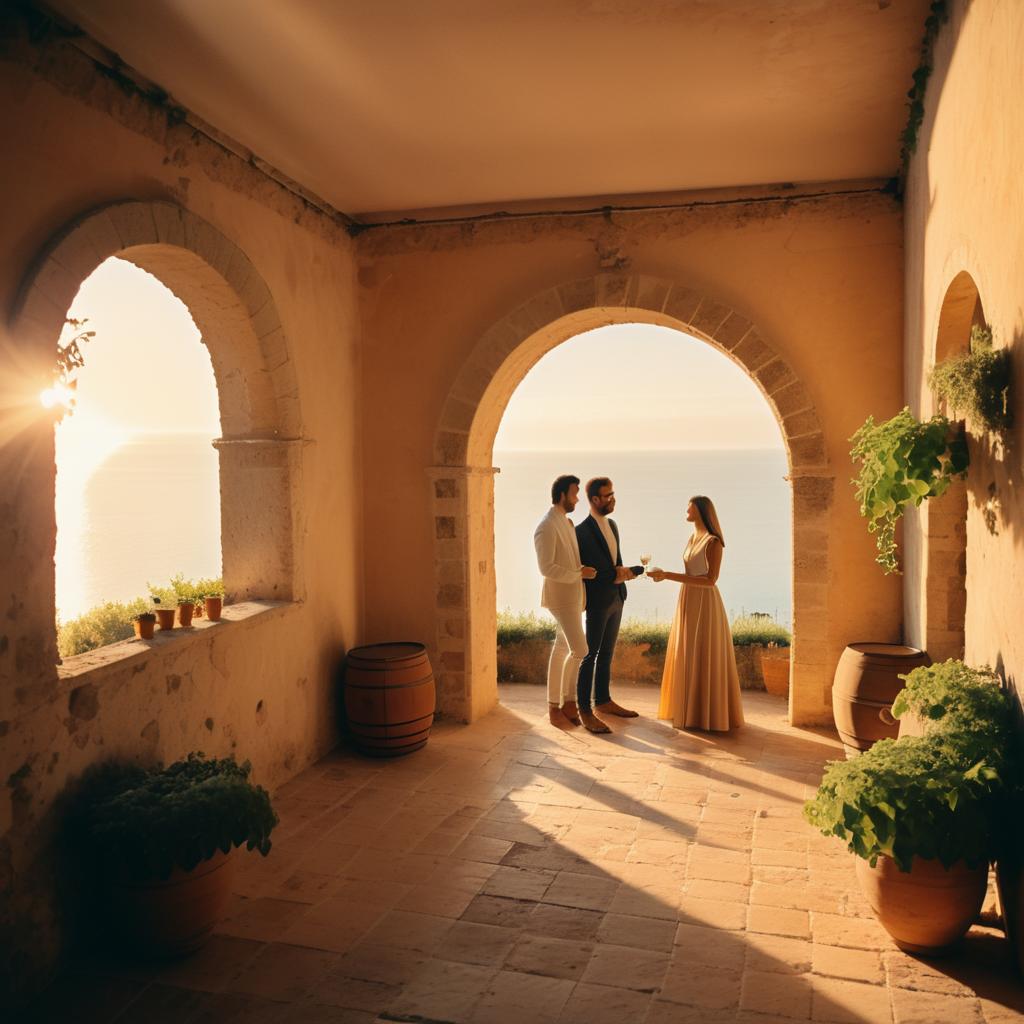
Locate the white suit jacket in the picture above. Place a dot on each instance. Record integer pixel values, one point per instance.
(558, 559)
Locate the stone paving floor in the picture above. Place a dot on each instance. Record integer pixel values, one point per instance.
(510, 872)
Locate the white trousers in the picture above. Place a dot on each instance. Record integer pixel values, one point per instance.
(568, 652)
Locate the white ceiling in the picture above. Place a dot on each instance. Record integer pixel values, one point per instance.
(385, 106)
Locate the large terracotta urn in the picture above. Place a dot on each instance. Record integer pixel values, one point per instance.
(927, 908)
(866, 683)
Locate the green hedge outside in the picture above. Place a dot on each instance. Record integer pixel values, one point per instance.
(515, 627)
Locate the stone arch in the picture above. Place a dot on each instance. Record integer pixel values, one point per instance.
(462, 476)
(256, 384)
(943, 521)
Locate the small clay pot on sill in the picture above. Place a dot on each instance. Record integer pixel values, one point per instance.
(186, 609)
(144, 626)
(165, 618)
(213, 606)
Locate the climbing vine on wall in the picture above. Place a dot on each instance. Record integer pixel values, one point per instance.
(938, 15)
(977, 382)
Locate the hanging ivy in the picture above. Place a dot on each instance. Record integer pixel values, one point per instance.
(938, 15)
(977, 383)
(902, 462)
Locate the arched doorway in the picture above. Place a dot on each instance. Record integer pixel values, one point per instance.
(463, 486)
(257, 392)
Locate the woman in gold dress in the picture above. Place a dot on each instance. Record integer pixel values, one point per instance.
(700, 687)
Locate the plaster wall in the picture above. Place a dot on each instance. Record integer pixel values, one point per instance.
(819, 277)
(965, 213)
(74, 140)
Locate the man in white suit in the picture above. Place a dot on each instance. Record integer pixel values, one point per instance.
(558, 558)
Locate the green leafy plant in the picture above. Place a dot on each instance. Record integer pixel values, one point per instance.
(902, 462)
(185, 591)
(938, 14)
(163, 597)
(759, 629)
(938, 796)
(977, 383)
(144, 617)
(105, 624)
(144, 823)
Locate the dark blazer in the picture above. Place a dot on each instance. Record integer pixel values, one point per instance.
(602, 589)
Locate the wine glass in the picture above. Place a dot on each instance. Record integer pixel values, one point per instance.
(645, 560)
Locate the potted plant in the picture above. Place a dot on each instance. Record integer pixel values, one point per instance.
(211, 598)
(775, 668)
(922, 813)
(185, 595)
(977, 382)
(902, 462)
(144, 623)
(160, 842)
(163, 605)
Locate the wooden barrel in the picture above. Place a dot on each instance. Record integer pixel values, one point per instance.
(866, 683)
(389, 698)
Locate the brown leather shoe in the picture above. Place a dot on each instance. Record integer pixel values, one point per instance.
(592, 723)
(571, 711)
(557, 719)
(611, 708)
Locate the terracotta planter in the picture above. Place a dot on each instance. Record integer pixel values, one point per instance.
(185, 612)
(213, 606)
(165, 618)
(928, 908)
(866, 683)
(144, 628)
(775, 672)
(176, 916)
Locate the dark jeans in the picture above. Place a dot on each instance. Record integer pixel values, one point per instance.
(595, 672)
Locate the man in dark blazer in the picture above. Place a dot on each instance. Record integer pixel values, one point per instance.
(598, 539)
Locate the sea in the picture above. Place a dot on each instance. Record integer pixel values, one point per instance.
(150, 508)
(750, 491)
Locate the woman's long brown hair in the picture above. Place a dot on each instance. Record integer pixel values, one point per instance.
(708, 516)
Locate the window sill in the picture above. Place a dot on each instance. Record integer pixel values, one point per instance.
(234, 616)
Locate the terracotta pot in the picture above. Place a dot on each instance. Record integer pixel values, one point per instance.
(144, 628)
(389, 698)
(165, 618)
(928, 908)
(775, 672)
(213, 607)
(185, 612)
(176, 916)
(866, 683)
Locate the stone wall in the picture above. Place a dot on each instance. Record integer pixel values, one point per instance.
(270, 280)
(802, 290)
(965, 262)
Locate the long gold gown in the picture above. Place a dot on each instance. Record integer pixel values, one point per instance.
(700, 687)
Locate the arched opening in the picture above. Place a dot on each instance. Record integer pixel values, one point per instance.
(664, 416)
(138, 495)
(463, 484)
(257, 394)
(944, 520)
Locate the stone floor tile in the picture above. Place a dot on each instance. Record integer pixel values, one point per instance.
(442, 991)
(384, 896)
(663, 1012)
(471, 943)
(262, 918)
(779, 921)
(441, 902)
(779, 858)
(640, 932)
(850, 1002)
(282, 972)
(337, 989)
(518, 883)
(930, 1007)
(626, 967)
(482, 848)
(708, 987)
(784, 995)
(584, 891)
(713, 913)
(712, 947)
(853, 932)
(514, 998)
(603, 1004)
(419, 932)
(708, 889)
(778, 953)
(852, 964)
(387, 964)
(556, 958)
(564, 922)
(652, 902)
(213, 967)
(717, 871)
(499, 910)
